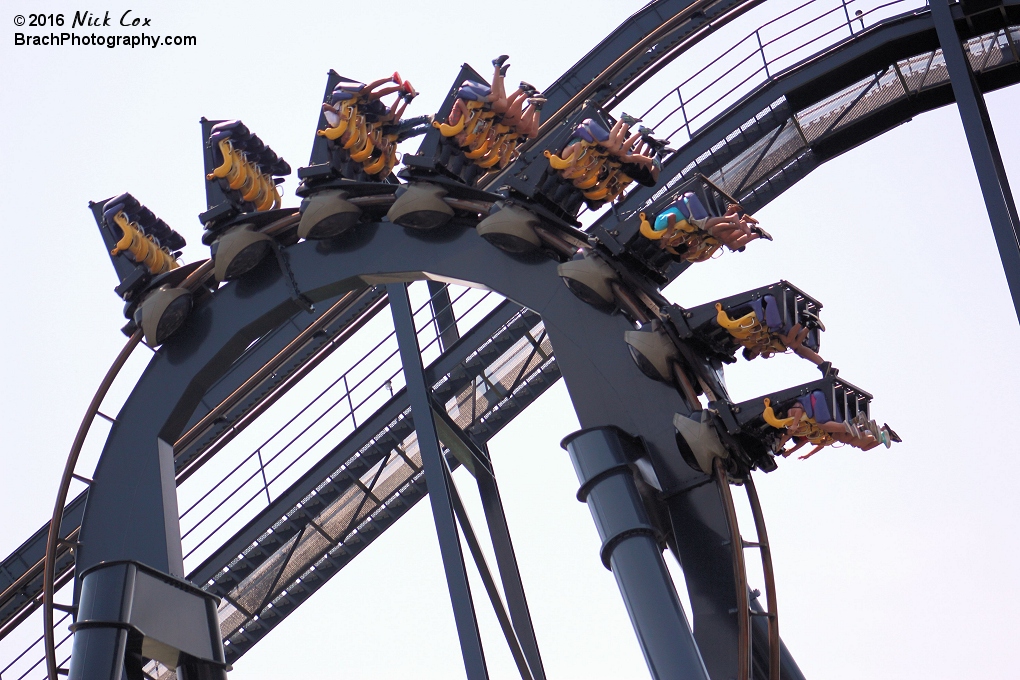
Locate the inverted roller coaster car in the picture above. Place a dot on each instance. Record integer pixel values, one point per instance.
(760, 322)
(602, 158)
(362, 131)
(242, 172)
(821, 413)
(692, 224)
(140, 244)
(599, 160)
(479, 127)
(146, 221)
(440, 154)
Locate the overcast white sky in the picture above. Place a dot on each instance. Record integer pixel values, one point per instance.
(890, 564)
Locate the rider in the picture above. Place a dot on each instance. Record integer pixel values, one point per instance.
(734, 229)
(639, 151)
(369, 94)
(510, 110)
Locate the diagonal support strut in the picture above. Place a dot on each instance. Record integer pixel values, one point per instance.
(438, 485)
(506, 560)
(983, 148)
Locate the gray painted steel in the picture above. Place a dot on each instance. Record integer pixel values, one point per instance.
(630, 549)
(437, 477)
(506, 560)
(134, 611)
(606, 386)
(442, 312)
(172, 387)
(983, 148)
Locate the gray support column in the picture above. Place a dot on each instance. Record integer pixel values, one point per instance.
(509, 573)
(502, 545)
(438, 484)
(631, 550)
(442, 311)
(129, 613)
(98, 654)
(983, 147)
(495, 598)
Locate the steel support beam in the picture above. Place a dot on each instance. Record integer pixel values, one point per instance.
(438, 483)
(983, 148)
(442, 312)
(605, 384)
(490, 585)
(630, 549)
(506, 560)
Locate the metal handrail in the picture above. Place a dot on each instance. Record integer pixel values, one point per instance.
(759, 53)
(273, 458)
(819, 119)
(28, 649)
(589, 89)
(382, 385)
(32, 667)
(265, 401)
(364, 521)
(31, 573)
(342, 377)
(727, 52)
(258, 449)
(189, 437)
(789, 52)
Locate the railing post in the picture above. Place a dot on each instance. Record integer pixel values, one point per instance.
(849, 24)
(350, 402)
(683, 112)
(265, 483)
(761, 49)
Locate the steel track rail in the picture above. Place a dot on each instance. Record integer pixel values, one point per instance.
(193, 281)
(647, 54)
(53, 534)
